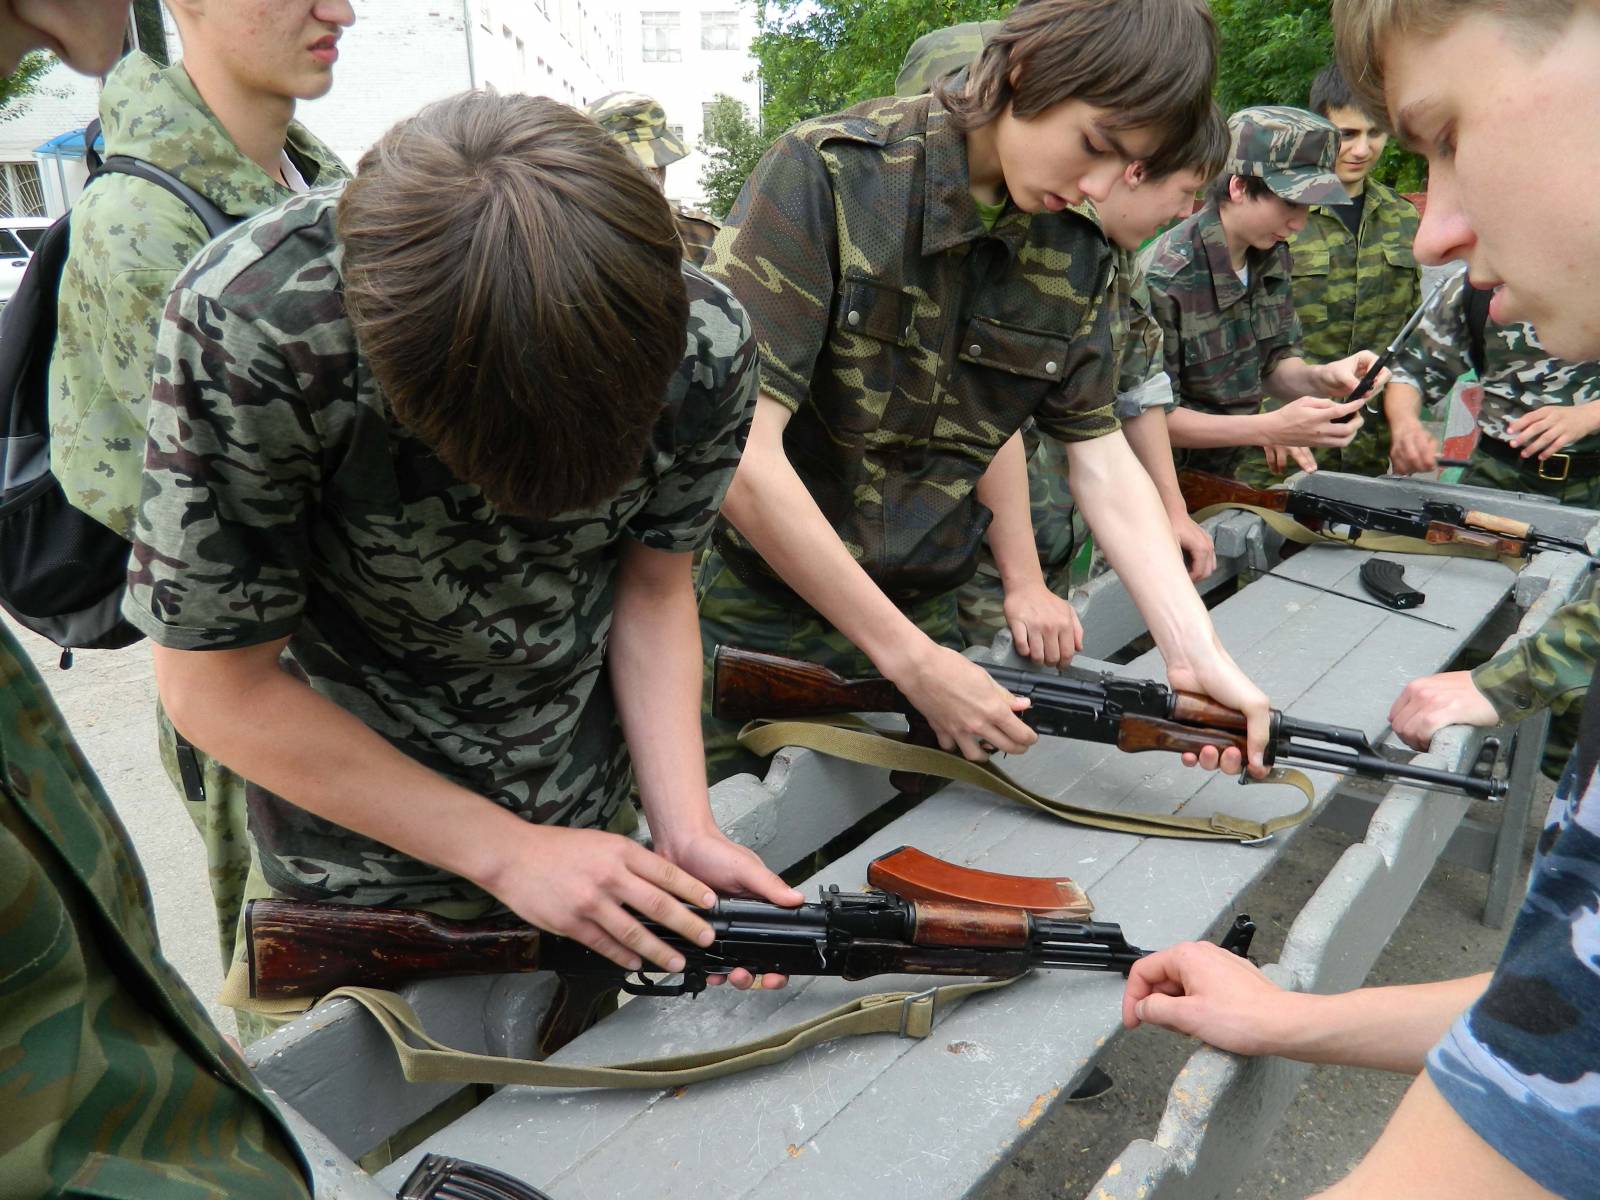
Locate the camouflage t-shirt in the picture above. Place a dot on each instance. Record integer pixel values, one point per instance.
(909, 341)
(1519, 374)
(282, 499)
(1221, 336)
(1355, 293)
(1522, 1066)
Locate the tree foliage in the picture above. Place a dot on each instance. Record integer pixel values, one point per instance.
(732, 145)
(22, 83)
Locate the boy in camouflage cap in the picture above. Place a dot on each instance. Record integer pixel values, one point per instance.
(920, 289)
(1220, 284)
(1356, 281)
(116, 1082)
(1506, 1096)
(639, 123)
(425, 589)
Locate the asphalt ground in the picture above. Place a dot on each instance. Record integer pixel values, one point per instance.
(108, 698)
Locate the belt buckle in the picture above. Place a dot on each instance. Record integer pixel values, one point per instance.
(1566, 468)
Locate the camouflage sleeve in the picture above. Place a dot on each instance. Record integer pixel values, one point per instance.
(1142, 380)
(1436, 355)
(1548, 669)
(712, 425)
(233, 467)
(1284, 339)
(1083, 407)
(778, 253)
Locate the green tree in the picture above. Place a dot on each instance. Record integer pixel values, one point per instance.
(1272, 50)
(732, 145)
(22, 83)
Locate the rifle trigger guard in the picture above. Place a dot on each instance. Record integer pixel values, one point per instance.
(640, 984)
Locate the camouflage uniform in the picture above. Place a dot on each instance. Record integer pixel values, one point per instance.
(1354, 294)
(909, 341)
(130, 239)
(112, 1080)
(286, 501)
(639, 124)
(1551, 668)
(1221, 336)
(1522, 1065)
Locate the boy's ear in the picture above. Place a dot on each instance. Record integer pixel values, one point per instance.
(1135, 173)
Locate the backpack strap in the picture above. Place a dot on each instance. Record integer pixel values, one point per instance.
(1477, 326)
(91, 156)
(213, 218)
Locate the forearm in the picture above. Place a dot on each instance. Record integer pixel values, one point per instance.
(1402, 404)
(1133, 531)
(1387, 1029)
(769, 504)
(1291, 378)
(1003, 489)
(1191, 429)
(275, 730)
(1147, 436)
(654, 660)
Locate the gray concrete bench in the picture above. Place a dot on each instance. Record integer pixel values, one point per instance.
(933, 1118)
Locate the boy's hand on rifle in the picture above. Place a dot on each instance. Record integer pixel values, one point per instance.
(1314, 421)
(593, 886)
(1340, 377)
(1044, 627)
(1279, 458)
(732, 870)
(966, 708)
(1201, 990)
(1213, 673)
(1428, 704)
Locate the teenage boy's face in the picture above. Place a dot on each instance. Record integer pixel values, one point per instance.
(1361, 141)
(1139, 207)
(1512, 137)
(1263, 221)
(1065, 154)
(84, 34)
(278, 47)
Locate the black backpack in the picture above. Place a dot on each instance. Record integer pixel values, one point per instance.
(62, 573)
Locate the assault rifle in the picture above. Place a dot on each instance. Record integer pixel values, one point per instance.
(1437, 522)
(929, 917)
(1133, 715)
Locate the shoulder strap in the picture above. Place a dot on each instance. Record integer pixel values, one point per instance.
(91, 156)
(1477, 326)
(213, 218)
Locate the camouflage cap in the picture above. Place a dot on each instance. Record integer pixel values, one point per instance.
(940, 53)
(1291, 149)
(640, 124)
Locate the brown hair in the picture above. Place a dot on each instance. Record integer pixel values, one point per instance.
(1255, 188)
(514, 283)
(1205, 153)
(1150, 63)
(1360, 27)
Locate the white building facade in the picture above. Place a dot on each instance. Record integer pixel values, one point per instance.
(685, 53)
(401, 54)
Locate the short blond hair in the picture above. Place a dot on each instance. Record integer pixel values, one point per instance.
(1361, 27)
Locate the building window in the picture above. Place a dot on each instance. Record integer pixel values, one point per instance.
(21, 193)
(676, 131)
(661, 37)
(719, 30)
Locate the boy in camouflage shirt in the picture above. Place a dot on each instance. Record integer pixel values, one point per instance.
(1138, 206)
(920, 289)
(1220, 283)
(115, 1082)
(131, 238)
(1506, 1099)
(1356, 281)
(427, 461)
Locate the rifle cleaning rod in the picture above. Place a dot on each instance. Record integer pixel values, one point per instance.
(1394, 347)
(1399, 612)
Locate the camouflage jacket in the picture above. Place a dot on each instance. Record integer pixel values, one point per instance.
(112, 1080)
(1548, 669)
(281, 499)
(1355, 293)
(1221, 338)
(1519, 374)
(908, 341)
(1522, 1066)
(130, 238)
(696, 230)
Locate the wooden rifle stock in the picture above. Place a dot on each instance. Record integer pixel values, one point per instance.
(303, 949)
(747, 684)
(1201, 490)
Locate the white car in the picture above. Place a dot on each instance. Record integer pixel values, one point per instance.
(18, 238)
